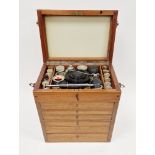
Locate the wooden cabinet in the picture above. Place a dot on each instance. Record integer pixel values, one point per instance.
(77, 115)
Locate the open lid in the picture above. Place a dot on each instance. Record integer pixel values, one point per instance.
(77, 34)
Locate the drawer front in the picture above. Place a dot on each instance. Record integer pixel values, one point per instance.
(49, 98)
(93, 106)
(60, 123)
(58, 112)
(61, 97)
(59, 117)
(92, 137)
(77, 137)
(61, 137)
(97, 97)
(67, 123)
(96, 106)
(59, 106)
(78, 117)
(95, 117)
(94, 123)
(74, 112)
(77, 129)
(103, 111)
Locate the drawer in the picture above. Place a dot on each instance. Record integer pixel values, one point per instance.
(74, 112)
(67, 123)
(95, 117)
(56, 97)
(102, 111)
(79, 106)
(58, 112)
(61, 137)
(48, 98)
(98, 97)
(59, 117)
(60, 123)
(77, 137)
(59, 106)
(96, 106)
(94, 123)
(92, 137)
(78, 117)
(77, 129)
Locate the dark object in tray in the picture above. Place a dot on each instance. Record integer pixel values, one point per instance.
(77, 77)
(93, 69)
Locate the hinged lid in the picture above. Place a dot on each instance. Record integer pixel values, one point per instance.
(77, 34)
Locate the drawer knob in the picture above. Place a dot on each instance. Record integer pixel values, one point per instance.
(77, 97)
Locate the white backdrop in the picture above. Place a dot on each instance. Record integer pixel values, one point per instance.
(31, 138)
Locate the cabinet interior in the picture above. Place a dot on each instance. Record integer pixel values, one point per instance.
(101, 76)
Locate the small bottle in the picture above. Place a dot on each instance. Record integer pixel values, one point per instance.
(44, 83)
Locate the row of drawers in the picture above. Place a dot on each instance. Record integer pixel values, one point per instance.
(95, 106)
(59, 119)
(77, 129)
(78, 117)
(76, 97)
(77, 111)
(75, 116)
(77, 123)
(69, 123)
(77, 137)
(82, 119)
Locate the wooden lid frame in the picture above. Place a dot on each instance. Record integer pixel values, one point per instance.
(113, 24)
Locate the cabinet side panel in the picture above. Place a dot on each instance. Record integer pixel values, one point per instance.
(113, 121)
(40, 116)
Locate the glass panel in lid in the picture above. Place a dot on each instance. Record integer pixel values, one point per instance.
(77, 36)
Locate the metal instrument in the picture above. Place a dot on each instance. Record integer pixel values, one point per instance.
(72, 85)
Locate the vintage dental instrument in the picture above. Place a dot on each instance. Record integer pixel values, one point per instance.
(72, 85)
